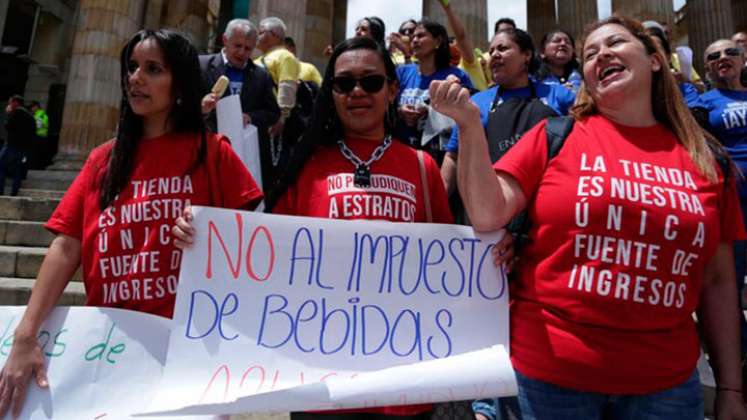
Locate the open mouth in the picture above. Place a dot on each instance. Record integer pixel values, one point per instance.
(724, 65)
(358, 108)
(136, 97)
(609, 72)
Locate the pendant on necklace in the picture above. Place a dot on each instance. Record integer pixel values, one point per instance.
(362, 176)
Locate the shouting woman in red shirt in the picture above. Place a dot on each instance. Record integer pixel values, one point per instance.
(632, 231)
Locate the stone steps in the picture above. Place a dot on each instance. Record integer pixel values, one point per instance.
(34, 193)
(49, 180)
(27, 208)
(20, 233)
(24, 262)
(16, 291)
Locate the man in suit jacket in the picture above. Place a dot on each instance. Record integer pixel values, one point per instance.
(251, 82)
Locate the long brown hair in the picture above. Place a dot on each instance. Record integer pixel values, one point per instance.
(667, 102)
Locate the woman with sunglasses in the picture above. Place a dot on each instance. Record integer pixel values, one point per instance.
(161, 160)
(430, 45)
(349, 141)
(598, 332)
(399, 42)
(727, 106)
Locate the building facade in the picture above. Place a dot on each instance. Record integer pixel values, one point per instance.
(65, 53)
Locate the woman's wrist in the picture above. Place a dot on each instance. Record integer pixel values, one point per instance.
(737, 390)
(470, 122)
(25, 332)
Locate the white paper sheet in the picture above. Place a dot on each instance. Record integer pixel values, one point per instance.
(245, 140)
(101, 363)
(685, 57)
(422, 301)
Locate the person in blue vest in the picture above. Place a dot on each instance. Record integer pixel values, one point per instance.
(430, 46)
(511, 63)
(727, 107)
(559, 65)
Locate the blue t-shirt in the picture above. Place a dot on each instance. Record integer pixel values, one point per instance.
(557, 97)
(727, 115)
(691, 95)
(235, 80)
(574, 79)
(413, 90)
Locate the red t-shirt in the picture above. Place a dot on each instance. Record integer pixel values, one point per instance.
(127, 254)
(325, 189)
(623, 226)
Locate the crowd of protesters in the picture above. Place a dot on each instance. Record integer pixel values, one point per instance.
(581, 149)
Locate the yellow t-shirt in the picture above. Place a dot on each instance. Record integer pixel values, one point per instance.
(486, 70)
(475, 72)
(398, 58)
(281, 64)
(309, 73)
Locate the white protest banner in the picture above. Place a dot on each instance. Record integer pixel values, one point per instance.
(244, 140)
(290, 313)
(101, 363)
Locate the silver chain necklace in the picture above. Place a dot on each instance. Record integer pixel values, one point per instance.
(362, 176)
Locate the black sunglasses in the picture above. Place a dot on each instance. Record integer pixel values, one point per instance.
(731, 52)
(371, 83)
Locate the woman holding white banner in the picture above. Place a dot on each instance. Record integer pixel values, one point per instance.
(116, 216)
(348, 166)
(633, 224)
(348, 158)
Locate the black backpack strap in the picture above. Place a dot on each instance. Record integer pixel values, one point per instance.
(557, 130)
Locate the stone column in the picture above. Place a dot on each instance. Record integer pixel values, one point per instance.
(319, 16)
(190, 17)
(3, 15)
(93, 86)
(574, 15)
(293, 13)
(339, 16)
(661, 11)
(708, 20)
(739, 7)
(473, 14)
(153, 14)
(540, 18)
